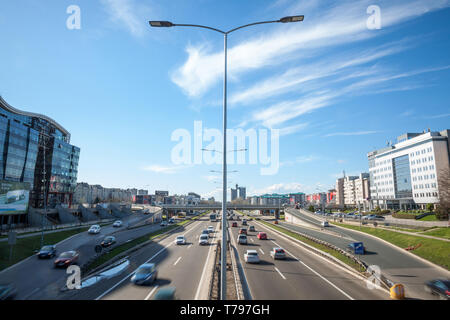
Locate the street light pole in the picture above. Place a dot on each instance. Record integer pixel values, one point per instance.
(167, 24)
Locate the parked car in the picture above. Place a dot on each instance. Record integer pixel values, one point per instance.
(251, 256)
(243, 231)
(278, 253)
(108, 241)
(180, 240)
(94, 229)
(171, 220)
(262, 236)
(48, 251)
(251, 228)
(117, 224)
(242, 239)
(203, 239)
(380, 218)
(234, 224)
(368, 217)
(145, 274)
(7, 291)
(325, 224)
(67, 258)
(439, 287)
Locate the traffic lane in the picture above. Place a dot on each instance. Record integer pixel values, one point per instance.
(288, 278)
(169, 262)
(334, 278)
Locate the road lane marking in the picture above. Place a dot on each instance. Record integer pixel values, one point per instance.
(155, 255)
(189, 246)
(177, 261)
(252, 240)
(280, 273)
(318, 274)
(151, 292)
(261, 250)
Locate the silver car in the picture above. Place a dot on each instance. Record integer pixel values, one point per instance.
(278, 253)
(242, 239)
(145, 274)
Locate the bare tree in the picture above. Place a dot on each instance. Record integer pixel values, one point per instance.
(443, 209)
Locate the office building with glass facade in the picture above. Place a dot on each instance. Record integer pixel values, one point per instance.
(406, 175)
(35, 150)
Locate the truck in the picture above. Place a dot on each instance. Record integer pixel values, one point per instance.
(213, 217)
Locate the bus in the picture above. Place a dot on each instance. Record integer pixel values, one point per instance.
(213, 217)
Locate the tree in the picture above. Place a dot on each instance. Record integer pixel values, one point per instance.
(430, 207)
(443, 209)
(311, 208)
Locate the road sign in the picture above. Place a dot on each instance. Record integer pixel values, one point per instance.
(98, 248)
(12, 238)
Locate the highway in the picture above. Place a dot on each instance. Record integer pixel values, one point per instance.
(398, 265)
(303, 275)
(180, 266)
(37, 278)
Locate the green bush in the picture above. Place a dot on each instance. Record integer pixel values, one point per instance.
(311, 208)
(430, 207)
(404, 215)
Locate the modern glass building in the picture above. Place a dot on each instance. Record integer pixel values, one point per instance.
(35, 150)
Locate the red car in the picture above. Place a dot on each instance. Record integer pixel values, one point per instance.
(243, 231)
(67, 258)
(262, 236)
(234, 224)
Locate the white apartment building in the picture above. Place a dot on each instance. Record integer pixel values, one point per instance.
(356, 190)
(405, 175)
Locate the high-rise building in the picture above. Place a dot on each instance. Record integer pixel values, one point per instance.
(36, 150)
(242, 192)
(340, 192)
(234, 193)
(406, 175)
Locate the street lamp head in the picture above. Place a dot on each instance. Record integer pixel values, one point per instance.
(161, 23)
(292, 19)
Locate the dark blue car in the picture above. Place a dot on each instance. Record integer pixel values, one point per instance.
(356, 248)
(48, 251)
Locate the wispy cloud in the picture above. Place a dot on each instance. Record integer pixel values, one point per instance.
(444, 115)
(164, 169)
(129, 14)
(357, 133)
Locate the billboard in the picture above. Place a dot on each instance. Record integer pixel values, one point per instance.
(14, 197)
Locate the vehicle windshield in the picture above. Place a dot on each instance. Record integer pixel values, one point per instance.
(203, 237)
(66, 255)
(46, 248)
(143, 270)
(252, 253)
(180, 238)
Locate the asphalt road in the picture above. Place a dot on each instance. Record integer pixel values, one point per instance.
(398, 265)
(37, 278)
(303, 275)
(179, 266)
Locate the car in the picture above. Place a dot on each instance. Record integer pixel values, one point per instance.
(66, 258)
(48, 251)
(108, 241)
(325, 224)
(210, 229)
(94, 229)
(171, 220)
(145, 274)
(180, 240)
(234, 224)
(203, 239)
(380, 218)
(356, 248)
(244, 222)
(262, 236)
(117, 224)
(166, 293)
(242, 239)
(368, 217)
(243, 231)
(251, 256)
(7, 291)
(278, 253)
(251, 228)
(440, 287)
(163, 223)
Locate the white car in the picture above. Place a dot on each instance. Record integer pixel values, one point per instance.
(117, 224)
(242, 239)
(94, 229)
(325, 224)
(203, 240)
(210, 229)
(251, 256)
(180, 240)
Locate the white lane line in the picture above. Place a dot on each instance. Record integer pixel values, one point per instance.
(252, 240)
(31, 293)
(280, 273)
(151, 292)
(189, 246)
(318, 274)
(177, 261)
(155, 255)
(261, 250)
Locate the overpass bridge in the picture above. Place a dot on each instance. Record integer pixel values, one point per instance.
(173, 209)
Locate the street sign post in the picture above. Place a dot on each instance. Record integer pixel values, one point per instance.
(12, 239)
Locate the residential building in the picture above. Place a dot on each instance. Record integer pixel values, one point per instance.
(406, 175)
(340, 192)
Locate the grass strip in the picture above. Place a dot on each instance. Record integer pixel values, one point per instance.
(439, 232)
(25, 247)
(433, 250)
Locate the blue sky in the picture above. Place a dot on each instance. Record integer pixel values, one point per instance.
(334, 88)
